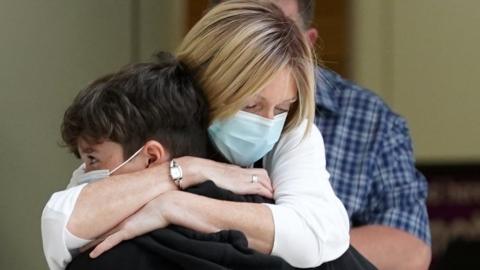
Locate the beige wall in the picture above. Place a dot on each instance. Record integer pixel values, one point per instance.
(422, 57)
(161, 26)
(48, 51)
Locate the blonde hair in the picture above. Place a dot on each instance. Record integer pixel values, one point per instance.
(236, 49)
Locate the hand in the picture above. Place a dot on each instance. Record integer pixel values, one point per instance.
(150, 217)
(231, 177)
(241, 181)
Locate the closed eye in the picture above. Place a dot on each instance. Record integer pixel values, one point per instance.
(281, 110)
(252, 108)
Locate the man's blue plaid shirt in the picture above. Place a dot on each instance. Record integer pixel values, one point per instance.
(370, 157)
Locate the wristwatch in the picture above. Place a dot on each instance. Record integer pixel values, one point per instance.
(176, 173)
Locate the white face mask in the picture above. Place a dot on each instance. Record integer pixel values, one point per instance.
(246, 137)
(96, 175)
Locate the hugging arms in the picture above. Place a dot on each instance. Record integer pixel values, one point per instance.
(264, 92)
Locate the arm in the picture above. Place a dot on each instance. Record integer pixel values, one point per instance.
(305, 202)
(195, 212)
(101, 205)
(397, 235)
(92, 209)
(392, 248)
(207, 215)
(227, 176)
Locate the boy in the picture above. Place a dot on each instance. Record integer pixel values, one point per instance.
(142, 116)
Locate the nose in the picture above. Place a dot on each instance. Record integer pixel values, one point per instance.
(268, 113)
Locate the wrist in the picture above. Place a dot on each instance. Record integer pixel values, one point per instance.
(192, 172)
(162, 179)
(168, 206)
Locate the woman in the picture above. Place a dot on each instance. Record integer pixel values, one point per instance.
(256, 70)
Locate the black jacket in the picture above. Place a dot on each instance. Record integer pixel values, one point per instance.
(179, 248)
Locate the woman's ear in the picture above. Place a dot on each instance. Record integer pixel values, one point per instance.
(312, 36)
(155, 152)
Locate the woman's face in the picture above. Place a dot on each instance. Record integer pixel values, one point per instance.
(276, 97)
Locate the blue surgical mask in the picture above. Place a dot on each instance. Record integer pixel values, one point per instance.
(96, 175)
(246, 137)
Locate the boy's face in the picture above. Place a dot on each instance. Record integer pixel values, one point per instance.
(106, 155)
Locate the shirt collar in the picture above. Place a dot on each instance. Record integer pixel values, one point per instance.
(324, 89)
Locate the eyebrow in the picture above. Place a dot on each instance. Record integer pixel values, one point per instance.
(87, 150)
(288, 100)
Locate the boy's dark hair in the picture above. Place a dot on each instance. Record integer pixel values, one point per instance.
(306, 10)
(158, 101)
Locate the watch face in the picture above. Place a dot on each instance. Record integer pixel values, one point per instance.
(175, 173)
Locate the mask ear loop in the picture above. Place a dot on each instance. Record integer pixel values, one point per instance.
(126, 161)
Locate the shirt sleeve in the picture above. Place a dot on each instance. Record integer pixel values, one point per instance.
(311, 223)
(399, 195)
(59, 245)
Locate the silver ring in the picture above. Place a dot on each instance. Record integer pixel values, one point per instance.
(254, 179)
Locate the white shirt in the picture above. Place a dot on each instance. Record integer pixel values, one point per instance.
(311, 224)
(59, 245)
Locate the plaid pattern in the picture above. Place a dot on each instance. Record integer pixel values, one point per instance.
(370, 157)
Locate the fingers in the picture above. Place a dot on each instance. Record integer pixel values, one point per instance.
(262, 191)
(265, 182)
(242, 180)
(260, 184)
(91, 244)
(101, 238)
(108, 243)
(263, 178)
(249, 188)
